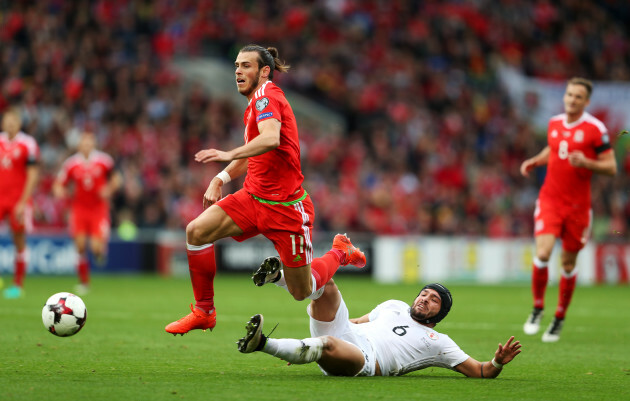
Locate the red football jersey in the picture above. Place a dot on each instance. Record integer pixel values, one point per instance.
(275, 175)
(564, 183)
(15, 156)
(89, 177)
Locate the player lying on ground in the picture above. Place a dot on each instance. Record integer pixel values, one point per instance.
(393, 339)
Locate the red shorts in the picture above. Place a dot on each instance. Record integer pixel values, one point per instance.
(289, 226)
(25, 225)
(89, 223)
(572, 225)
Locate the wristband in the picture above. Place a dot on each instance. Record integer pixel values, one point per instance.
(496, 364)
(224, 176)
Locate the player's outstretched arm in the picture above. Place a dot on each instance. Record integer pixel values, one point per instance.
(268, 139)
(491, 369)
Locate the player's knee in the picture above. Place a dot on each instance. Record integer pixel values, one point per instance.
(568, 267)
(330, 343)
(300, 294)
(331, 286)
(331, 347)
(195, 233)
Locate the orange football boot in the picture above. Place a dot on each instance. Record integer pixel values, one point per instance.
(198, 319)
(354, 256)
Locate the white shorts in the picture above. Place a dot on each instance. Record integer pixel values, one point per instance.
(341, 328)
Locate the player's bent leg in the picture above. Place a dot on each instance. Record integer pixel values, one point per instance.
(299, 282)
(324, 308)
(341, 358)
(211, 225)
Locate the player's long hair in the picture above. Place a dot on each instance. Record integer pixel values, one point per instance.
(268, 56)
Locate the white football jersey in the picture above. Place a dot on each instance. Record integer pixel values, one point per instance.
(403, 345)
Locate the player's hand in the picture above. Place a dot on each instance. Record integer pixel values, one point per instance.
(18, 211)
(213, 193)
(106, 192)
(527, 166)
(212, 155)
(59, 191)
(577, 159)
(505, 354)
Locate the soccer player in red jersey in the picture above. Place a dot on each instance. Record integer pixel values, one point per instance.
(577, 146)
(19, 157)
(272, 201)
(92, 174)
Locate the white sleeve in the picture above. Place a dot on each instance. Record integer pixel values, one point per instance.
(451, 355)
(391, 305)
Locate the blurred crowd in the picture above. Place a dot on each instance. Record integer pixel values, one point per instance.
(433, 144)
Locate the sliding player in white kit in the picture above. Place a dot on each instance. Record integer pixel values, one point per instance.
(392, 340)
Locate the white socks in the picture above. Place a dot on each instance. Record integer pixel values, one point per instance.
(295, 351)
(540, 264)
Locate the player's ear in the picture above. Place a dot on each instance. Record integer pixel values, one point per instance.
(264, 72)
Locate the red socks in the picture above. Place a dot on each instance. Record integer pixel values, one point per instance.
(540, 276)
(325, 267)
(83, 269)
(565, 292)
(203, 268)
(20, 268)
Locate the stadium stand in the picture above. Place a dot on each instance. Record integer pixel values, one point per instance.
(432, 145)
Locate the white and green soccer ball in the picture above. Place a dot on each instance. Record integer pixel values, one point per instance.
(64, 314)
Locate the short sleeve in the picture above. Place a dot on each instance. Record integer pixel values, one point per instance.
(388, 306)
(265, 107)
(451, 355)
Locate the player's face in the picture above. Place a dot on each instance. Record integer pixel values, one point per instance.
(10, 123)
(426, 305)
(247, 73)
(87, 143)
(575, 99)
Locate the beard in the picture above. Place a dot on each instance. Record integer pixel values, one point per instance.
(418, 315)
(252, 87)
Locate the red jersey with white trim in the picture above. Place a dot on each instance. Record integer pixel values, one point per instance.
(15, 155)
(565, 183)
(275, 175)
(89, 176)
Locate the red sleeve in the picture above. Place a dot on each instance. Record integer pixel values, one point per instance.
(267, 107)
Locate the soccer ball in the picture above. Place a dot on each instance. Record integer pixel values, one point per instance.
(64, 314)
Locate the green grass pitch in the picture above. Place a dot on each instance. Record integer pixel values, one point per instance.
(123, 353)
